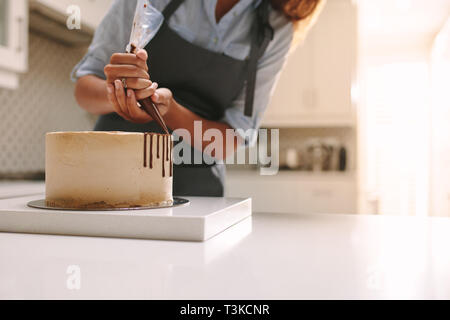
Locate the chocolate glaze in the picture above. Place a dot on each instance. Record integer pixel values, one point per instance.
(151, 152)
(166, 155)
(167, 151)
(157, 147)
(163, 155)
(132, 46)
(145, 150)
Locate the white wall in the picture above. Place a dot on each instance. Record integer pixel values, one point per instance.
(440, 133)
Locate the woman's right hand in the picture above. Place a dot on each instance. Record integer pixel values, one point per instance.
(133, 69)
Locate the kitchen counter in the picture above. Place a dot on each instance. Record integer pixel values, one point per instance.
(283, 257)
(269, 256)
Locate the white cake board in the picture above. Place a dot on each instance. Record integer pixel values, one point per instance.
(202, 219)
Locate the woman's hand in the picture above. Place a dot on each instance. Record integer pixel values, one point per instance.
(129, 109)
(131, 68)
(163, 99)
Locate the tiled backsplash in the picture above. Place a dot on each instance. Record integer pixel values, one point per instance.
(44, 102)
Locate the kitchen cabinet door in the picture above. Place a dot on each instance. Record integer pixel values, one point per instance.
(91, 11)
(13, 39)
(295, 192)
(293, 96)
(315, 87)
(334, 60)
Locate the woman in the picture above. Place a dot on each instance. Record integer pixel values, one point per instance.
(214, 61)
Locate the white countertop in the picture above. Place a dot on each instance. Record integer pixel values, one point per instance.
(282, 257)
(269, 256)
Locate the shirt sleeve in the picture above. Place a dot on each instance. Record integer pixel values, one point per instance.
(111, 36)
(269, 69)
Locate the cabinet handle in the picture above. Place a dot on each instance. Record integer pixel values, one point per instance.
(21, 33)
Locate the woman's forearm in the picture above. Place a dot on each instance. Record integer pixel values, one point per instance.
(91, 95)
(180, 117)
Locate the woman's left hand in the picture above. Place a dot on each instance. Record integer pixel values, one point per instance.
(163, 99)
(126, 102)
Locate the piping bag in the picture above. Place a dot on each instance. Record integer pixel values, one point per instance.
(142, 32)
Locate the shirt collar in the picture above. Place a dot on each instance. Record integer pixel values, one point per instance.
(240, 7)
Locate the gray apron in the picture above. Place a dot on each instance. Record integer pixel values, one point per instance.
(204, 82)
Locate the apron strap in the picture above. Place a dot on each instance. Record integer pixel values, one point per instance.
(262, 34)
(171, 8)
(260, 29)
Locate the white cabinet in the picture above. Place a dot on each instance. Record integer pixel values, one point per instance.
(13, 41)
(315, 88)
(91, 11)
(295, 192)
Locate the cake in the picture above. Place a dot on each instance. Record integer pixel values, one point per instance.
(108, 169)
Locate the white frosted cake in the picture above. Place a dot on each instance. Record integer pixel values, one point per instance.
(108, 169)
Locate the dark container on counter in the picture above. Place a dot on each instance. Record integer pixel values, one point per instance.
(342, 159)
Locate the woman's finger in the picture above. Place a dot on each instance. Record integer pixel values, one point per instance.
(117, 71)
(147, 92)
(142, 55)
(120, 96)
(130, 59)
(137, 83)
(113, 100)
(162, 96)
(137, 114)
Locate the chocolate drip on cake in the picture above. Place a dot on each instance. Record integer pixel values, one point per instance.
(166, 152)
(163, 155)
(151, 152)
(157, 146)
(145, 150)
(167, 138)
